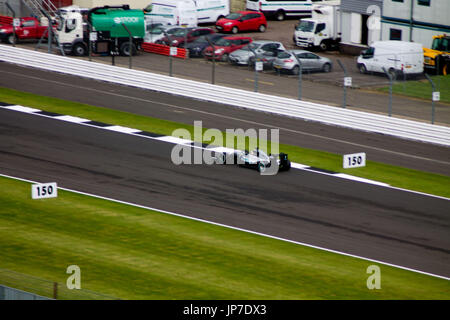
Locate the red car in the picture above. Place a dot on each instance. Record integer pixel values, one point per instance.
(225, 46)
(242, 21)
(30, 28)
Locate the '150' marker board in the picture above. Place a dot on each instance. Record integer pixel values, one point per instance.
(354, 160)
(44, 190)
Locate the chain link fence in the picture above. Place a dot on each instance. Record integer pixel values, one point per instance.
(23, 286)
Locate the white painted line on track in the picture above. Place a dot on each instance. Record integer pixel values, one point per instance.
(22, 109)
(221, 149)
(174, 140)
(355, 178)
(72, 119)
(298, 166)
(122, 129)
(239, 229)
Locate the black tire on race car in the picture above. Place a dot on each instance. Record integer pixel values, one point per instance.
(261, 167)
(288, 166)
(224, 158)
(285, 164)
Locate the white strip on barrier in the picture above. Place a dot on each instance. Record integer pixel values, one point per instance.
(353, 119)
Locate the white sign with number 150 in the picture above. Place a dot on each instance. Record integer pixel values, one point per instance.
(354, 160)
(44, 190)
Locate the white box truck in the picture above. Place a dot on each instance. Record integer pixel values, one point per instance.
(209, 11)
(323, 29)
(397, 57)
(173, 12)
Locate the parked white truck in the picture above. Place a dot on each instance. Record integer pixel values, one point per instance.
(323, 29)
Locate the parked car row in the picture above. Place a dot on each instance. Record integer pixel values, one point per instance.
(238, 50)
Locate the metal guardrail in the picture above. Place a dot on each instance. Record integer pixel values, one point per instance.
(19, 286)
(353, 119)
(8, 293)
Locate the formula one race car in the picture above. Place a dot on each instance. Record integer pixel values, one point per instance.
(258, 159)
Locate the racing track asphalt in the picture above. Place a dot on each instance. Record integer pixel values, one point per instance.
(386, 149)
(394, 226)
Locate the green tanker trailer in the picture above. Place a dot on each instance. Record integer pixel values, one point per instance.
(107, 27)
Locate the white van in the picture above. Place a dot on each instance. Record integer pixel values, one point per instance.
(173, 12)
(395, 56)
(280, 9)
(209, 11)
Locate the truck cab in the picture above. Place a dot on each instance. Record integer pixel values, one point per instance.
(322, 30)
(71, 32)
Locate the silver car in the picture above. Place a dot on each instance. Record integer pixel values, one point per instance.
(266, 51)
(287, 61)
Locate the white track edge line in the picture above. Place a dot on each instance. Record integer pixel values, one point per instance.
(239, 229)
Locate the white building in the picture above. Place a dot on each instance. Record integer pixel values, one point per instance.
(415, 20)
(360, 24)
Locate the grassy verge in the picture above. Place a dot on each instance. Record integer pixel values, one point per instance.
(422, 88)
(395, 176)
(133, 253)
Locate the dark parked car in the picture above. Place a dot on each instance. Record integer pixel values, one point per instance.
(186, 34)
(197, 46)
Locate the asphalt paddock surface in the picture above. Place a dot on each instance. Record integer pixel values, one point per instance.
(393, 226)
(386, 149)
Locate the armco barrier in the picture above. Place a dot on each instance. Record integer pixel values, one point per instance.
(6, 20)
(163, 49)
(7, 293)
(353, 119)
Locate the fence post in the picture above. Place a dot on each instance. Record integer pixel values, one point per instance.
(256, 71)
(130, 44)
(213, 75)
(14, 17)
(390, 91)
(170, 52)
(433, 86)
(55, 290)
(300, 71)
(114, 51)
(344, 102)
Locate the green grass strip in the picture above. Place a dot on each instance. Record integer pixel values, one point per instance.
(396, 176)
(133, 253)
(422, 88)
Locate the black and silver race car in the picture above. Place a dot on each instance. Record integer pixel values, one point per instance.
(257, 159)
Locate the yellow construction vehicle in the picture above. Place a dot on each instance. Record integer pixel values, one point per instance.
(437, 59)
